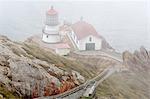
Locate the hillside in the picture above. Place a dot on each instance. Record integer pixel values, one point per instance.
(132, 84)
(27, 70)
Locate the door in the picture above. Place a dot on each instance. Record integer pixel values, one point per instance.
(90, 46)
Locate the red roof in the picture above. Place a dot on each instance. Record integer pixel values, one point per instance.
(62, 46)
(52, 11)
(83, 29)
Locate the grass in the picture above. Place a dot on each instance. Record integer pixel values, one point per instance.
(86, 67)
(7, 94)
(121, 86)
(61, 62)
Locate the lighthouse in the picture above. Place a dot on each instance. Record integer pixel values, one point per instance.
(51, 29)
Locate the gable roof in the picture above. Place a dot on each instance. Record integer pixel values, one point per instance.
(83, 29)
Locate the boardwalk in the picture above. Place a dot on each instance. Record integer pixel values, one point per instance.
(77, 92)
(85, 89)
(113, 55)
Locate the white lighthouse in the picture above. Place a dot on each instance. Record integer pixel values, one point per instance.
(51, 29)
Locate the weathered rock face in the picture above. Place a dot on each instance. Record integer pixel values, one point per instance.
(138, 61)
(138, 64)
(134, 83)
(106, 45)
(23, 73)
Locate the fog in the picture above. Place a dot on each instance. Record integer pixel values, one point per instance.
(124, 24)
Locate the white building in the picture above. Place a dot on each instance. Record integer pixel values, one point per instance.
(51, 29)
(62, 49)
(84, 36)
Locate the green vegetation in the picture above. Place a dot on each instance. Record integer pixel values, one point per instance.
(81, 66)
(86, 66)
(7, 94)
(35, 51)
(86, 98)
(121, 86)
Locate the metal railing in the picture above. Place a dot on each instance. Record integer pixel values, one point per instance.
(81, 87)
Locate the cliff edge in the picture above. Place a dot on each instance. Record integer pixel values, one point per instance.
(26, 70)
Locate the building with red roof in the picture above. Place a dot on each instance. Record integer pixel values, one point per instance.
(84, 36)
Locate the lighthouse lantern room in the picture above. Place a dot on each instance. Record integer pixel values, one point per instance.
(51, 28)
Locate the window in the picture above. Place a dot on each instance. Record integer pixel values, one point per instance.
(90, 39)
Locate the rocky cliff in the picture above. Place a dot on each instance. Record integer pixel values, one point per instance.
(131, 84)
(138, 62)
(29, 71)
(106, 45)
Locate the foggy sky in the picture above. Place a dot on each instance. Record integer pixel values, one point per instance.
(124, 24)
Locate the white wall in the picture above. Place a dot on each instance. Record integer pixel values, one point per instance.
(97, 41)
(51, 29)
(81, 44)
(50, 38)
(64, 51)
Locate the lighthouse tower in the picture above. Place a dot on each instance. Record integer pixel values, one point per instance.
(51, 28)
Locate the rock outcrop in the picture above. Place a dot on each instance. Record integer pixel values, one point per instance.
(134, 82)
(138, 65)
(32, 74)
(139, 61)
(106, 45)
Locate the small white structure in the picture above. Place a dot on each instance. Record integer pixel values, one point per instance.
(51, 29)
(90, 90)
(62, 49)
(84, 36)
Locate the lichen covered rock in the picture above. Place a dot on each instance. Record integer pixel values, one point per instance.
(29, 75)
